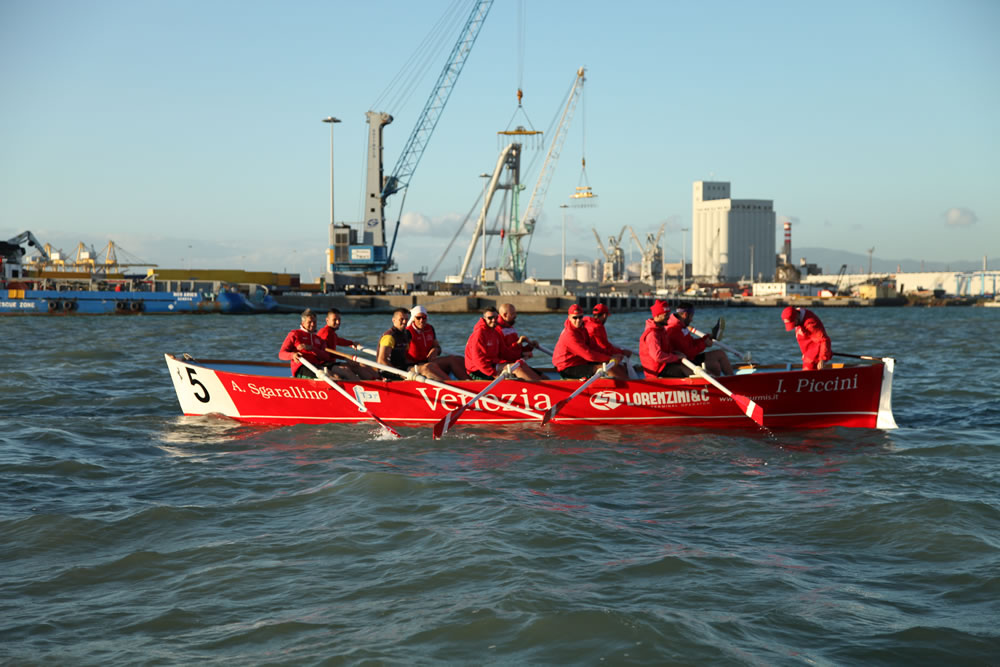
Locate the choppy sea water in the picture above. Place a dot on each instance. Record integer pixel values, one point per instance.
(131, 534)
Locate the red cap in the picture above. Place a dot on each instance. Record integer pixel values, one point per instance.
(659, 308)
(601, 309)
(791, 317)
(575, 309)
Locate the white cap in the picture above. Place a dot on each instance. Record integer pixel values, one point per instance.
(417, 310)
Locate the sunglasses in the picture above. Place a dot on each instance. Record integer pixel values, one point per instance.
(576, 317)
(489, 318)
(420, 317)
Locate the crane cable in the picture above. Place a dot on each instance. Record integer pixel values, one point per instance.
(402, 86)
(413, 72)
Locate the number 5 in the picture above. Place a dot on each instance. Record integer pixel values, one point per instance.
(197, 383)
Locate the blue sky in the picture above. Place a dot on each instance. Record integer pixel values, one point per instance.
(189, 131)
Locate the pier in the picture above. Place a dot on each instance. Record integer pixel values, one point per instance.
(446, 302)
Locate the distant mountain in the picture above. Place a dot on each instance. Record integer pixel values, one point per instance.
(831, 261)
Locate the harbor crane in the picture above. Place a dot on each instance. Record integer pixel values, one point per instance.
(840, 278)
(652, 256)
(366, 249)
(510, 160)
(614, 256)
(551, 158)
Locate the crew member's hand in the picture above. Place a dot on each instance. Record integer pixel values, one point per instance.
(820, 364)
(295, 357)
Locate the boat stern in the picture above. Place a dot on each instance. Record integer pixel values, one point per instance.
(885, 420)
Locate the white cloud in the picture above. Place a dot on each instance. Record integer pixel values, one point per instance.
(959, 216)
(417, 223)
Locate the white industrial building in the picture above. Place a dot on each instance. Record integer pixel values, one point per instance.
(731, 239)
(952, 283)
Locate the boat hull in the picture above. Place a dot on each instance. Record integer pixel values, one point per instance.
(261, 392)
(105, 302)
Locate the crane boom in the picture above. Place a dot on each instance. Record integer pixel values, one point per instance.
(367, 249)
(415, 145)
(29, 239)
(555, 149)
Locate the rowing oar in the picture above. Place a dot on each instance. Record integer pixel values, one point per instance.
(857, 356)
(434, 383)
(749, 408)
(601, 372)
(449, 419)
(343, 392)
(745, 356)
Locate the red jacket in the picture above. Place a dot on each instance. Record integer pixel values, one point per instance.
(314, 348)
(482, 351)
(422, 341)
(681, 340)
(332, 339)
(575, 347)
(654, 349)
(511, 350)
(813, 340)
(599, 337)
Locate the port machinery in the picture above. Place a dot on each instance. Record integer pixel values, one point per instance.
(368, 250)
(516, 228)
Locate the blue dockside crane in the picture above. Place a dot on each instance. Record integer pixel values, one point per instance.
(365, 250)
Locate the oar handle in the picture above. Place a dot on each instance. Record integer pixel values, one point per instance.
(857, 356)
(700, 372)
(745, 356)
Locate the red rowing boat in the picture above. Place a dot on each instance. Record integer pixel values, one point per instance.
(857, 396)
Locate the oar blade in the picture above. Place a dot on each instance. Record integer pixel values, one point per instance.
(441, 427)
(750, 408)
(388, 428)
(551, 412)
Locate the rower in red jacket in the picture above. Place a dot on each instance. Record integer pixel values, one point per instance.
(695, 349)
(515, 346)
(425, 351)
(332, 339)
(485, 351)
(576, 356)
(655, 354)
(599, 335)
(811, 335)
(304, 343)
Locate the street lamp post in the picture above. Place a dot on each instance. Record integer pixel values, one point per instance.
(564, 207)
(683, 258)
(482, 271)
(332, 121)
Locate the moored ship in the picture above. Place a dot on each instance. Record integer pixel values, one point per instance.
(32, 288)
